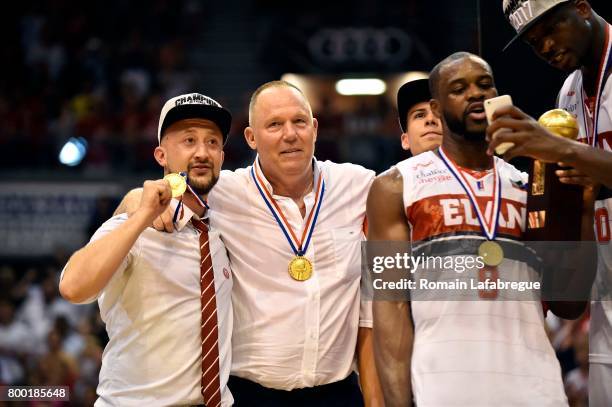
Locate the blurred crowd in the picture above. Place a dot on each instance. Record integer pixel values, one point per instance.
(98, 70)
(102, 72)
(570, 340)
(44, 340)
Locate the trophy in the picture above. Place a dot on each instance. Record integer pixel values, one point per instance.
(553, 209)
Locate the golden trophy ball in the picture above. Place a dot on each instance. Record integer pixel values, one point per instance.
(561, 123)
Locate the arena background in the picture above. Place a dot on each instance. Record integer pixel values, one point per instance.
(81, 88)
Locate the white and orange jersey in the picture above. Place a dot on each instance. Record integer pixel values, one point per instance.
(573, 99)
(476, 353)
(437, 205)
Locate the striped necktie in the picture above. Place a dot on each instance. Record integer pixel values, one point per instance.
(211, 390)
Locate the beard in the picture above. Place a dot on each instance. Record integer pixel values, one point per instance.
(203, 184)
(203, 187)
(459, 127)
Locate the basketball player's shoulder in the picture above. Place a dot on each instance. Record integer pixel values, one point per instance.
(423, 160)
(386, 193)
(389, 182)
(569, 79)
(569, 87)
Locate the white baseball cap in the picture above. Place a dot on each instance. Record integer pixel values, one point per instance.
(522, 14)
(194, 106)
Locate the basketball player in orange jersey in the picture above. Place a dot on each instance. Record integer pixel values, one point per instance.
(461, 353)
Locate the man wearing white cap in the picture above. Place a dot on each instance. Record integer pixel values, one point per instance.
(151, 286)
(571, 37)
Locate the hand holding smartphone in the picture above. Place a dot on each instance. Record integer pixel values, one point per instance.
(490, 106)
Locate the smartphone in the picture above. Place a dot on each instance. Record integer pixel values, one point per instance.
(490, 106)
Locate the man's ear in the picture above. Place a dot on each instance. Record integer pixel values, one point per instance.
(405, 141)
(160, 156)
(584, 9)
(315, 124)
(249, 136)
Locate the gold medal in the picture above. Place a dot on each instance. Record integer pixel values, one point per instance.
(491, 252)
(300, 268)
(178, 184)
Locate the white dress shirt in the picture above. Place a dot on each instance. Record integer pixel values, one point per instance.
(151, 307)
(292, 334)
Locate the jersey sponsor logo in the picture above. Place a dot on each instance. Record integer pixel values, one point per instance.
(458, 211)
(453, 213)
(421, 165)
(572, 108)
(434, 175)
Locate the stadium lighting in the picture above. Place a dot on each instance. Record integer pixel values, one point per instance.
(364, 86)
(73, 151)
(413, 76)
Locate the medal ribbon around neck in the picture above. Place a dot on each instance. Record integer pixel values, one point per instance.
(179, 208)
(489, 229)
(606, 62)
(299, 247)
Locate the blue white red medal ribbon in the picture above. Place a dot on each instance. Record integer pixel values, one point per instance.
(179, 208)
(299, 247)
(489, 228)
(606, 62)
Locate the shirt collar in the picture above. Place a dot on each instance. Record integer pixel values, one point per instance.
(268, 186)
(187, 214)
